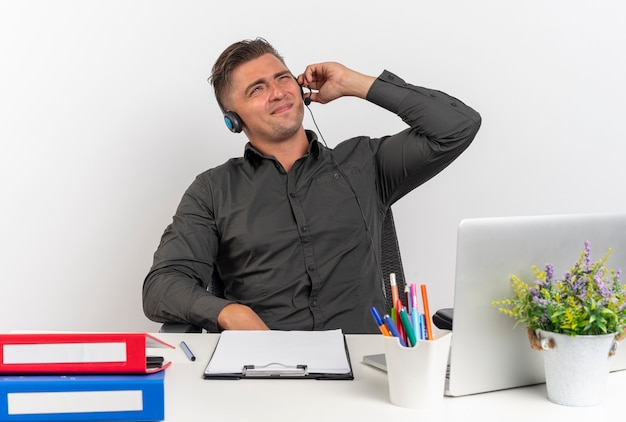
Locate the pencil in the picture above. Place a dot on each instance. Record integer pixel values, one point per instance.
(394, 288)
(407, 297)
(429, 328)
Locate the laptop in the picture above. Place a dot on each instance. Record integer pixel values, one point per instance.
(487, 353)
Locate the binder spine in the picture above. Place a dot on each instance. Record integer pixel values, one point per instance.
(75, 353)
(82, 398)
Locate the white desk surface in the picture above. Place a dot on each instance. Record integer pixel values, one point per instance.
(190, 398)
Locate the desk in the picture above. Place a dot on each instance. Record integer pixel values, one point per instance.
(190, 398)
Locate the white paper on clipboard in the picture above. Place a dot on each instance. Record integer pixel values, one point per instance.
(285, 352)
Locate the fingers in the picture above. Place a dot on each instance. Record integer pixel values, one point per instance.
(332, 80)
(322, 79)
(315, 75)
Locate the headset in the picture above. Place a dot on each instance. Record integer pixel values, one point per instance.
(234, 122)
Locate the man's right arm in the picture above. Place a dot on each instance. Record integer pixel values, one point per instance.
(175, 289)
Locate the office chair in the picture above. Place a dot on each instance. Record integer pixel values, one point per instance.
(391, 263)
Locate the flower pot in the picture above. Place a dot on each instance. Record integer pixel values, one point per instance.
(576, 367)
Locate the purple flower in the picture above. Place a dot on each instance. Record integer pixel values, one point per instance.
(587, 255)
(567, 278)
(549, 273)
(603, 288)
(536, 298)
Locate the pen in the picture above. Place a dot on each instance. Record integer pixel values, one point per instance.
(379, 321)
(429, 328)
(393, 329)
(187, 351)
(422, 322)
(408, 329)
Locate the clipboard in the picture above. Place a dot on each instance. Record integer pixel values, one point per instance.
(275, 354)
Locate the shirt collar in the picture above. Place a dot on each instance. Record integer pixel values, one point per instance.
(253, 155)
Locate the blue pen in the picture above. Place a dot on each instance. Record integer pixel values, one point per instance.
(187, 351)
(379, 321)
(391, 326)
(423, 330)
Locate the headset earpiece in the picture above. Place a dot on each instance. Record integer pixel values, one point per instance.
(233, 122)
(231, 119)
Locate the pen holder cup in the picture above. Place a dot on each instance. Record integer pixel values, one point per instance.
(417, 375)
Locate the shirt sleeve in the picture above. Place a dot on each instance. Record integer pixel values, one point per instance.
(175, 289)
(441, 127)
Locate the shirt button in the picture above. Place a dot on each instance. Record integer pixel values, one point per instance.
(303, 229)
(314, 302)
(336, 175)
(453, 104)
(311, 268)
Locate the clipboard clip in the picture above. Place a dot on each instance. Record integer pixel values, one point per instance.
(275, 369)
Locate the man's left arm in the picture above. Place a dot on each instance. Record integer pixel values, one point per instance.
(441, 127)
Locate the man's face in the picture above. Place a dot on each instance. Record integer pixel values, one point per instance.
(267, 98)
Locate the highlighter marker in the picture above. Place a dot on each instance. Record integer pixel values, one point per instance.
(415, 321)
(379, 321)
(398, 321)
(413, 290)
(408, 329)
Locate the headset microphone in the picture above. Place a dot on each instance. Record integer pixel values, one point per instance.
(307, 100)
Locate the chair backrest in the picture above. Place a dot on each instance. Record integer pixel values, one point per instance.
(391, 262)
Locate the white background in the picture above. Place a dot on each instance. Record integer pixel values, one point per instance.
(106, 117)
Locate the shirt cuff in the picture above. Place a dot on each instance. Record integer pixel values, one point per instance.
(205, 311)
(388, 91)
